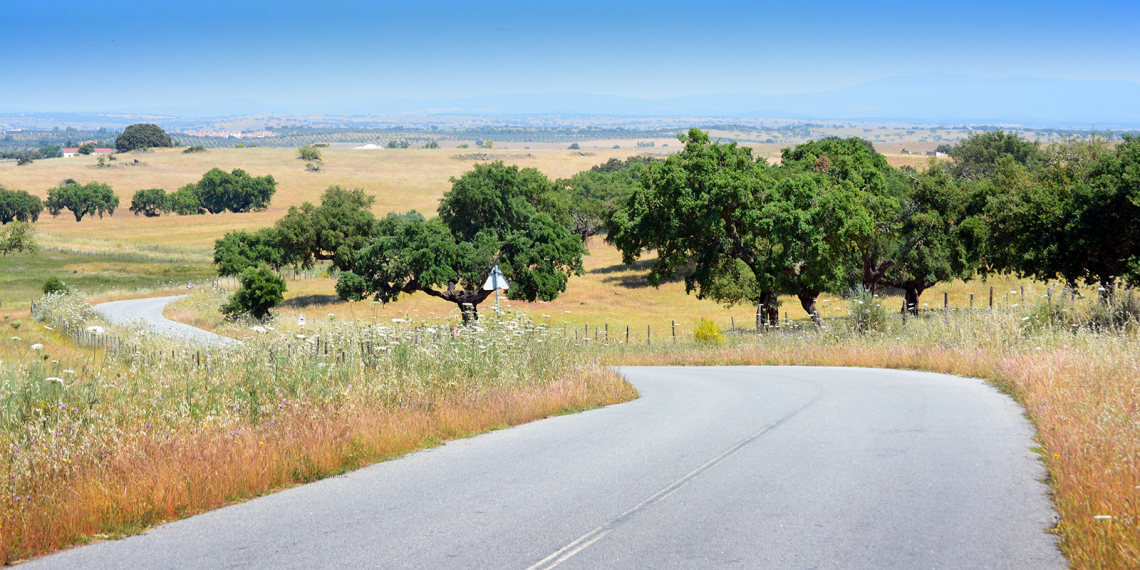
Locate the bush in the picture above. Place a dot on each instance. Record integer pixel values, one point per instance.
(308, 153)
(350, 286)
(707, 332)
(313, 166)
(55, 285)
(867, 314)
(195, 148)
(24, 160)
(142, 135)
(574, 146)
(261, 290)
(432, 144)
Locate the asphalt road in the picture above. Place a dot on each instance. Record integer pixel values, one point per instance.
(149, 311)
(746, 467)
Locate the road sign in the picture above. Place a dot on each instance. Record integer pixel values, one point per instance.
(496, 280)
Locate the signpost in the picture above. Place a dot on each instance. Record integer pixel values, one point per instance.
(496, 280)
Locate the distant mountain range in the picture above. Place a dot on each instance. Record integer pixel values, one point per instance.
(934, 99)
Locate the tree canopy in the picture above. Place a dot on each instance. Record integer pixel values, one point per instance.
(92, 198)
(150, 202)
(142, 135)
(494, 214)
(19, 205)
(239, 250)
(595, 194)
(333, 231)
(977, 157)
(235, 191)
(18, 237)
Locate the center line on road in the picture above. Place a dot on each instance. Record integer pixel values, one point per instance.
(566, 552)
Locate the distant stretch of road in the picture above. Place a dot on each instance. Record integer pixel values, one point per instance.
(149, 312)
(719, 467)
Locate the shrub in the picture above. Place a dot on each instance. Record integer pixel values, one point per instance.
(574, 146)
(867, 314)
(55, 285)
(308, 153)
(313, 166)
(707, 332)
(261, 290)
(432, 144)
(195, 148)
(351, 287)
(24, 160)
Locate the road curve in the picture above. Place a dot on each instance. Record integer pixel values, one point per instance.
(149, 312)
(718, 467)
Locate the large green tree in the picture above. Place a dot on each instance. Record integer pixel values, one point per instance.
(977, 157)
(494, 214)
(150, 202)
(342, 224)
(709, 211)
(235, 191)
(19, 205)
(1077, 217)
(92, 198)
(941, 233)
(142, 135)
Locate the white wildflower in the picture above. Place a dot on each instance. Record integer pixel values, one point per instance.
(36, 346)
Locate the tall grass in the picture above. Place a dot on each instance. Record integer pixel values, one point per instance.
(96, 444)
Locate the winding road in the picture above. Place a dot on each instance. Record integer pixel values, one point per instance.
(715, 467)
(149, 312)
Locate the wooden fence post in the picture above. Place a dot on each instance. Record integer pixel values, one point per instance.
(945, 300)
(673, 324)
(991, 297)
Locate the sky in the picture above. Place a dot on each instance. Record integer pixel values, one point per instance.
(89, 56)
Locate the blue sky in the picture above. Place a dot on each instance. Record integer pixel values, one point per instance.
(93, 56)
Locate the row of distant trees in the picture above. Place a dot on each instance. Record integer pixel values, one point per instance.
(218, 191)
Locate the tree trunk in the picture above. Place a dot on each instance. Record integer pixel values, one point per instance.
(767, 313)
(807, 301)
(911, 294)
(460, 297)
(873, 273)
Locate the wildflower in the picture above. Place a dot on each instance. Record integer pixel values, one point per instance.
(399, 321)
(14, 338)
(69, 371)
(95, 329)
(257, 328)
(36, 346)
(54, 379)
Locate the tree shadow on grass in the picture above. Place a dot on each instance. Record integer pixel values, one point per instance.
(636, 280)
(310, 300)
